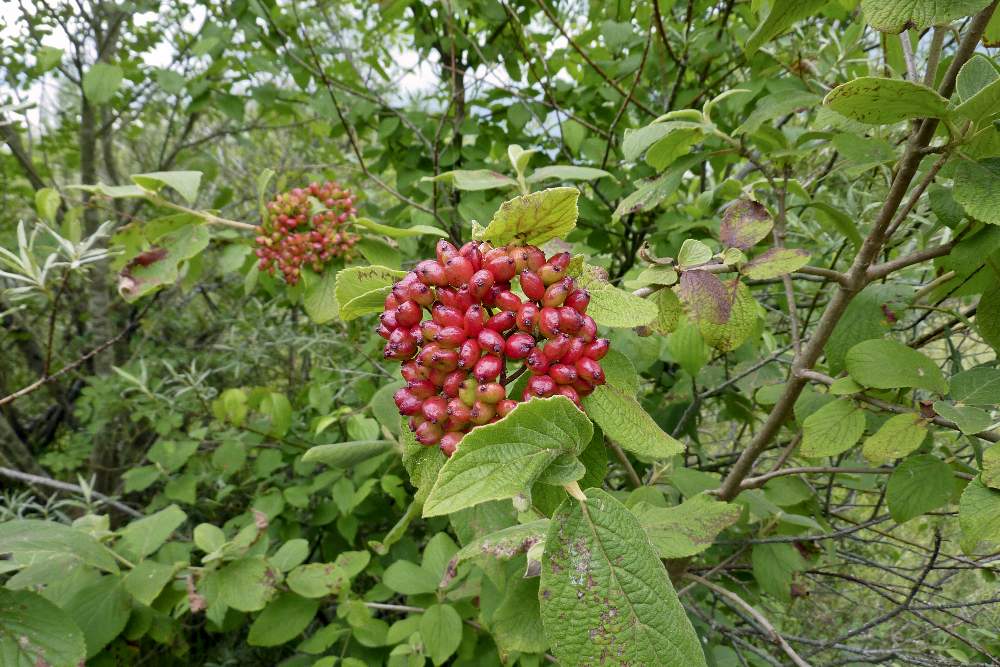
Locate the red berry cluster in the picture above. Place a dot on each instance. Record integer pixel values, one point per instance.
(455, 362)
(296, 234)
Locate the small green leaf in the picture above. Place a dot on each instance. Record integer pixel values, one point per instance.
(879, 101)
(209, 538)
(320, 298)
(186, 183)
(441, 630)
(282, 620)
(898, 15)
(101, 82)
(409, 578)
(317, 580)
(503, 459)
(347, 454)
(603, 590)
(988, 317)
(977, 189)
(782, 15)
(888, 364)
(774, 564)
(745, 224)
(741, 324)
(143, 537)
(775, 262)
(47, 202)
(918, 485)
(693, 253)
(979, 515)
(969, 419)
(33, 631)
(361, 289)
(534, 218)
(832, 429)
(669, 311)
(623, 420)
(898, 436)
(636, 141)
(147, 579)
(613, 307)
(247, 584)
(566, 173)
(686, 529)
(290, 554)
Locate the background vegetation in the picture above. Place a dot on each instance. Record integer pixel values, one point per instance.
(168, 421)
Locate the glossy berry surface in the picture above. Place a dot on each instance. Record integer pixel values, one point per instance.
(305, 228)
(468, 323)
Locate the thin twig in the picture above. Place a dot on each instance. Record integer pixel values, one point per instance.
(65, 486)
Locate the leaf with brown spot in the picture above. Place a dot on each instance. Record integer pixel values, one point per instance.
(503, 545)
(745, 224)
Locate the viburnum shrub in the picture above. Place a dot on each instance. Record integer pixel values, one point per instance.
(465, 335)
(306, 227)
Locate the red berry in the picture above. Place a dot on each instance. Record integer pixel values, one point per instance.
(590, 370)
(468, 353)
(569, 392)
(556, 293)
(490, 392)
(431, 273)
(481, 413)
(541, 385)
(532, 285)
(578, 300)
(458, 270)
(555, 348)
(501, 266)
(488, 368)
(562, 373)
(597, 349)
(445, 251)
(406, 402)
(430, 330)
(527, 317)
(388, 319)
(502, 321)
(422, 389)
(519, 345)
(588, 330)
(560, 260)
(449, 442)
(408, 313)
(420, 293)
(434, 409)
(548, 322)
(428, 434)
(570, 320)
(574, 352)
(491, 341)
(480, 284)
(458, 411)
(507, 301)
(451, 337)
(411, 372)
(453, 382)
(536, 361)
(445, 360)
(446, 316)
(471, 252)
(383, 331)
(473, 320)
(505, 406)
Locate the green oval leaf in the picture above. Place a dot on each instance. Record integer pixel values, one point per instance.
(879, 101)
(347, 454)
(604, 591)
(888, 364)
(503, 459)
(534, 218)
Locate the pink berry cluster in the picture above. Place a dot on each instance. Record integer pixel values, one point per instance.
(456, 324)
(295, 235)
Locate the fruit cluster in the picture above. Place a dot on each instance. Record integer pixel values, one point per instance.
(456, 360)
(305, 227)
